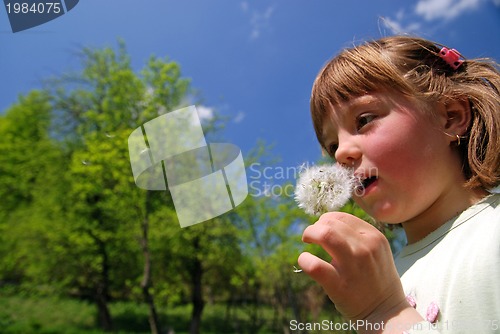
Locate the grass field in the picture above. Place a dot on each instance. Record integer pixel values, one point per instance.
(26, 314)
(54, 315)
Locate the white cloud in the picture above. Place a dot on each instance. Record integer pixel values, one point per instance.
(259, 20)
(239, 117)
(205, 113)
(396, 26)
(244, 6)
(430, 10)
(444, 9)
(400, 15)
(496, 2)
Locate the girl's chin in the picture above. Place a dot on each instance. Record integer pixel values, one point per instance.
(382, 212)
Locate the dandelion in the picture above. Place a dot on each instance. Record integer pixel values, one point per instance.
(324, 188)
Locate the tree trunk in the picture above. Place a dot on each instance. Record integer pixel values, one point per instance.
(293, 304)
(103, 314)
(146, 282)
(101, 293)
(197, 295)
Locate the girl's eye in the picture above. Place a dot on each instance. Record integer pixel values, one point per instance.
(363, 120)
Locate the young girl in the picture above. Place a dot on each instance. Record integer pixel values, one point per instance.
(420, 126)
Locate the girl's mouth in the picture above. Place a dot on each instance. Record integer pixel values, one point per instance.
(363, 185)
(368, 181)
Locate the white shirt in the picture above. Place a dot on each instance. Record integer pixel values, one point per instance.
(457, 267)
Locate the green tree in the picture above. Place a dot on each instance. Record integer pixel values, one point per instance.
(29, 161)
(73, 222)
(95, 109)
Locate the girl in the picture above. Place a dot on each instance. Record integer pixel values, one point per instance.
(421, 128)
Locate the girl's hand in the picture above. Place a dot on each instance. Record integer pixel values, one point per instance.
(361, 278)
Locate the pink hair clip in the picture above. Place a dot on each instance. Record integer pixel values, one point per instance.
(451, 57)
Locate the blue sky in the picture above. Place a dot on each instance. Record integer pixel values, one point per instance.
(253, 61)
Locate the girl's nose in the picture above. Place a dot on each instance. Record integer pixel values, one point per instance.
(348, 152)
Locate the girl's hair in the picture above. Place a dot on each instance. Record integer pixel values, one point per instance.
(413, 67)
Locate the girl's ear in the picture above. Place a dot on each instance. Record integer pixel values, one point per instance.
(457, 116)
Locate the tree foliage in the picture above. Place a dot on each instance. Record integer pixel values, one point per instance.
(73, 223)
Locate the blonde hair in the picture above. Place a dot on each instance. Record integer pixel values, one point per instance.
(412, 66)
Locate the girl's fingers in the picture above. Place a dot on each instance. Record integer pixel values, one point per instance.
(338, 233)
(321, 271)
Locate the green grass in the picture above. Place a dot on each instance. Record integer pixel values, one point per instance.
(50, 315)
(45, 315)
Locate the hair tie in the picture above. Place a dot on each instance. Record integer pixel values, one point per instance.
(451, 57)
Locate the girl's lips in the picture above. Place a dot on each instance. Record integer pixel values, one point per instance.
(371, 185)
(369, 180)
(366, 186)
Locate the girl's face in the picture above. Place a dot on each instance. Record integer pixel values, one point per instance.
(402, 154)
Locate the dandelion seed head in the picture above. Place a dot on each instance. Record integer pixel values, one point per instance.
(324, 188)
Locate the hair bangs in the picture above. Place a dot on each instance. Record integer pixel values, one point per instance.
(353, 73)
